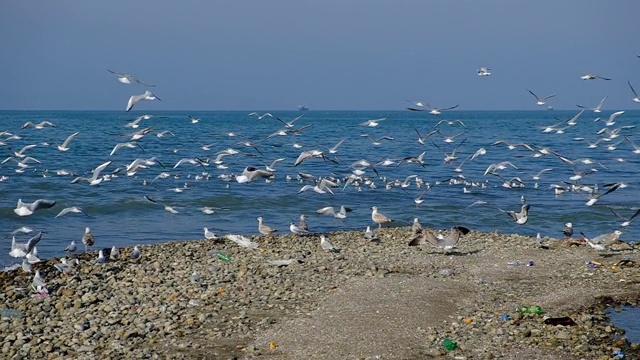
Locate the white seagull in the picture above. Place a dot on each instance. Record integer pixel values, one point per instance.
(542, 101)
(65, 144)
(128, 79)
(148, 95)
(26, 209)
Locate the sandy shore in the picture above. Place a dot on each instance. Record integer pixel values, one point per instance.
(372, 300)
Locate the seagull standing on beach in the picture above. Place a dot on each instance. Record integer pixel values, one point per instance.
(327, 245)
(38, 284)
(379, 218)
(568, 230)
(87, 239)
(209, 235)
(114, 254)
(136, 253)
(296, 230)
(303, 223)
(264, 229)
(71, 247)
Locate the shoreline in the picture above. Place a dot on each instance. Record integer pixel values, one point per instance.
(371, 299)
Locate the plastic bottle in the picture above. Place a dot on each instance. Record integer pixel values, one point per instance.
(449, 344)
(223, 257)
(529, 310)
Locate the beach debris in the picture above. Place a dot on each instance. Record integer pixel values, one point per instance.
(242, 241)
(564, 321)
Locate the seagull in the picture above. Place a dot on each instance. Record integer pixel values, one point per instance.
(251, 173)
(303, 223)
(296, 230)
(588, 76)
(166, 207)
(260, 117)
(612, 187)
(25, 209)
(447, 243)
(334, 149)
(194, 120)
(114, 254)
(327, 245)
(101, 258)
(38, 284)
(432, 110)
(602, 241)
(597, 108)
(71, 247)
(627, 221)
(135, 254)
(128, 79)
(128, 144)
(39, 126)
(416, 228)
(568, 229)
(73, 209)
(330, 210)
(209, 235)
(87, 239)
(148, 95)
(264, 229)
(483, 71)
(379, 218)
(95, 179)
(377, 141)
(63, 266)
(369, 234)
(65, 144)
(542, 101)
(373, 122)
(519, 217)
(21, 250)
(635, 94)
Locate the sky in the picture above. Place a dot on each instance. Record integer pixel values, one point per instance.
(329, 55)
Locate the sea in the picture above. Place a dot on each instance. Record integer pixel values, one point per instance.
(456, 187)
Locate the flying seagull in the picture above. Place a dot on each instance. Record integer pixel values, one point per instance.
(635, 94)
(519, 217)
(592, 77)
(542, 101)
(128, 79)
(25, 209)
(148, 95)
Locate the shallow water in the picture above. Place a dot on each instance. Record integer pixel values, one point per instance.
(627, 318)
(121, 216)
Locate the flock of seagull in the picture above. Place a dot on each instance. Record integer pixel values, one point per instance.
(358, 176)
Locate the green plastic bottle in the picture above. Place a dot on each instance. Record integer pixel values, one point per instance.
(449, 344)
(530, 310)
(223, 257)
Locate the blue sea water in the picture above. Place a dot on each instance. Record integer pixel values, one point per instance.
(120, 215)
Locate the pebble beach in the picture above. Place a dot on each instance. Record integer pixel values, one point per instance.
(377, 299)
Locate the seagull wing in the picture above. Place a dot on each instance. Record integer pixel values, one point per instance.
(98, 170)
(632, 89)
(534, 95)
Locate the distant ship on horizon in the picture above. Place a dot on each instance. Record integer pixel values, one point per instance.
(302, 107)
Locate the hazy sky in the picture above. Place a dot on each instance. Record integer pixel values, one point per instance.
(346, 54)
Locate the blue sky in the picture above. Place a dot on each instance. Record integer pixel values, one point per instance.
(332, 55)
